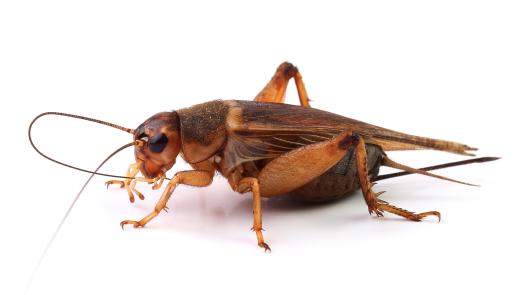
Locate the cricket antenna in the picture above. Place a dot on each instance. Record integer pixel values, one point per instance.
(131, 131)
(67, 213)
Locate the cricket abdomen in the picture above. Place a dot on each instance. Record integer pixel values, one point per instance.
(341, 179)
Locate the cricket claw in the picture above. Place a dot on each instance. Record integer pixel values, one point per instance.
(265, 246)
(134, 223)
(378, 212)
(110, 182)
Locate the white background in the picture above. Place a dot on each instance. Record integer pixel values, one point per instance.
(445, 69)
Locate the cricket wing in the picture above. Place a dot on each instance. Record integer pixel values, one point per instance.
(258, 130)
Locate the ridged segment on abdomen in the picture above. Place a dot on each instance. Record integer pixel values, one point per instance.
(341, 179)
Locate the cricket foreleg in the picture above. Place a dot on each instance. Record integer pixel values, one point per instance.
(275, 89)
(130, 183)
(193, 178)
(251, 184)
(375, 205)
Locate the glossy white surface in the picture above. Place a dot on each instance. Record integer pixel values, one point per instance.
(447, 69)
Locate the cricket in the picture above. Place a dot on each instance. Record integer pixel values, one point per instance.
(270, 149)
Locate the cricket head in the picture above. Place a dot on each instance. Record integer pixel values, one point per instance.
(158, 144)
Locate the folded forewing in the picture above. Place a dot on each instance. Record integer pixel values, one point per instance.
(266, 130)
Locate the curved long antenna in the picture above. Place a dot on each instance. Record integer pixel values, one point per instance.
(82, 118)
(67, 213)
(129, 130)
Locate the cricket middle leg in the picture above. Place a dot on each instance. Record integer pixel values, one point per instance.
(275, 89)
(251, 184)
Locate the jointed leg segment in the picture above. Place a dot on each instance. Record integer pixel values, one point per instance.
(275, 89)
(251, 184)
(129, 183)
(194, 178)
(375, 205)
(290, 171)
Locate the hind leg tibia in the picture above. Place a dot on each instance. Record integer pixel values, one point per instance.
(376, 205)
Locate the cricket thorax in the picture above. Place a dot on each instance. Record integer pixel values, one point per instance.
(203, 130)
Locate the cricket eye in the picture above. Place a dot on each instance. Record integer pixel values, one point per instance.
(158, 143)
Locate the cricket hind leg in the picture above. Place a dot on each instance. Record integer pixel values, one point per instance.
(300, 166)
(376, 205)
(275, 89)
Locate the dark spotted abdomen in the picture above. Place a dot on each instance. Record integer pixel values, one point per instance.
(341, 179)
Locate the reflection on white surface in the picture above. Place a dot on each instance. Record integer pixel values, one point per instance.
(323, 247)
(204, 243)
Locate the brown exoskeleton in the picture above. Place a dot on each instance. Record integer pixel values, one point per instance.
(270, 149)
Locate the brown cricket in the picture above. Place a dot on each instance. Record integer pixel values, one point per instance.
(272, 149)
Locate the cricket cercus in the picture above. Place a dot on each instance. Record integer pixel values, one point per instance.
(271, 149)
